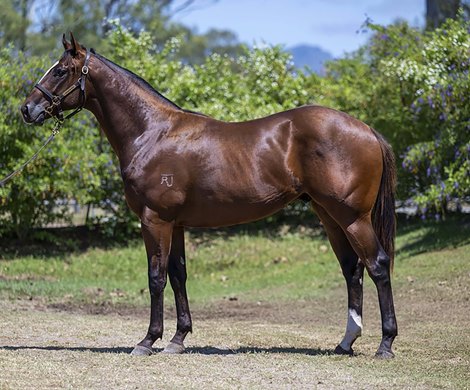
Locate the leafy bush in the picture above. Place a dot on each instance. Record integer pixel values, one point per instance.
(414, 87)
(439, 162)
(259, 82)
(411, 86)
(80, 165)
(71, 167)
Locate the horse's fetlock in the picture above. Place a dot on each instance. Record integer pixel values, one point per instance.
(155, 332)
(184, 323)
(390, 329)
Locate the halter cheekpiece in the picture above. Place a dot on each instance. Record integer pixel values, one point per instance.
(56, 100)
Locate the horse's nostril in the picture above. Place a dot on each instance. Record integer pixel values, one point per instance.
(24, 110)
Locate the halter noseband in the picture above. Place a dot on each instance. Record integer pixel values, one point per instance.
(56, 100)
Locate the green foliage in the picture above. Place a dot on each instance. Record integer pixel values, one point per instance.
(433, 72)
(13, 24)
(440, 163)
(413, 87)
(259, 82)
(80, 165)
(72, 167)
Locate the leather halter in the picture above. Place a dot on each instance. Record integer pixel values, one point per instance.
(56, 100)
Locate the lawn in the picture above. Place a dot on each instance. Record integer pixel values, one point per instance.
(269, 306)
(285, 263)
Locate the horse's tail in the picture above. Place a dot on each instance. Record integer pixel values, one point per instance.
(383, 213)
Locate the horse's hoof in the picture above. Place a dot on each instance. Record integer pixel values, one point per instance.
(174, 348)
(140, 350)
(383, 354)
(340, 351)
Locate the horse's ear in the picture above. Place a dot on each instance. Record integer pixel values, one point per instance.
(75, 46)
(67, 44)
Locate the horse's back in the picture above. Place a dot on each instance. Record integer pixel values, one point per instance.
(267, 162)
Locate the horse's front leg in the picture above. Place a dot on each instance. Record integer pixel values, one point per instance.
(177, 276)
(157, 237)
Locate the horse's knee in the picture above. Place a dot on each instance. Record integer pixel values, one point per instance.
(177, 275)
(156, 284)
(352, 269)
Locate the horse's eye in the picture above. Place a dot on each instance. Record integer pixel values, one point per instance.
(60, 72)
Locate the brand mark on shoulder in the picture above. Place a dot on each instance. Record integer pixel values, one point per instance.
(167, 178)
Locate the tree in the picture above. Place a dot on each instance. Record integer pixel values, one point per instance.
(437, 11)
(413, 87)
(14, 23)
(91, 20)
(79, 166)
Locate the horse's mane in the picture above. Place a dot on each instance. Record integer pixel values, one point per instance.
(136, 79)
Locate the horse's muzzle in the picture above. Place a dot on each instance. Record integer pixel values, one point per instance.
(33, 114)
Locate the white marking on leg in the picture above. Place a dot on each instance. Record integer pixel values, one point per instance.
(45, 74)
(353, 329)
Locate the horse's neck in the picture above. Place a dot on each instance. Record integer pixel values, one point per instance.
(124, 109)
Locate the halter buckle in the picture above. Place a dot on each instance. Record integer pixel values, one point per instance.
(56, 100)
(84, 69)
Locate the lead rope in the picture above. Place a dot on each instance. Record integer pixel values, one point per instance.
(55, 131)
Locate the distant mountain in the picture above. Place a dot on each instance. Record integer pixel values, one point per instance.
(312, 56)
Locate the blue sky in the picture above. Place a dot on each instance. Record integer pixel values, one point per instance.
(330, 24)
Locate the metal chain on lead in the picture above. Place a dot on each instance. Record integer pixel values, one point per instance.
(58, 124)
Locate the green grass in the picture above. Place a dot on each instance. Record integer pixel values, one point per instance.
(286, 343)
(92, 276)
(288, 265)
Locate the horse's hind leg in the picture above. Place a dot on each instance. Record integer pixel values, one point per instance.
(363, 239)
(177, 275)
(353, 271)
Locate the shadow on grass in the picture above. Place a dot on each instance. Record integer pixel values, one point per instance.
(63, 241)
(310, 228)
(71, 349)
(434, 235)
(206, 350)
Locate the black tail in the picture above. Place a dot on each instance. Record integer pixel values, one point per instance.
(383, 213)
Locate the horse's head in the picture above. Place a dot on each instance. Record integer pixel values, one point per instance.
(63, 86)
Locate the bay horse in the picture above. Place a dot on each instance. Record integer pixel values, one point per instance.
(184, 169)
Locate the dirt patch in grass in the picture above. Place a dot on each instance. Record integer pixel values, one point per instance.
(225, 309)
(238, 344)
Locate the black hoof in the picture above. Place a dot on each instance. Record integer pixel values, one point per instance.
(383, 354)
(340, 351)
